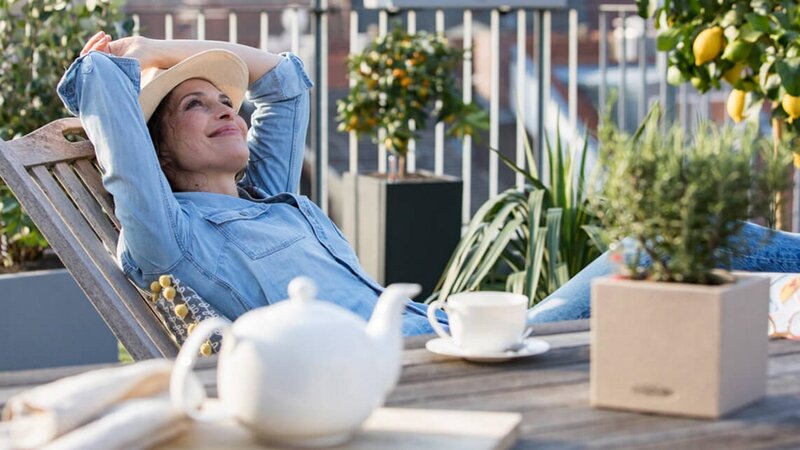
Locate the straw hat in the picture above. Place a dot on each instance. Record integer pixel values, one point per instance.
(221, 68)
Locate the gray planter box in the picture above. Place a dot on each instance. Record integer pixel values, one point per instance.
(47, 321)
(405, 231)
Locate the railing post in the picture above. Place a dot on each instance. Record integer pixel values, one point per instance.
(320, 102)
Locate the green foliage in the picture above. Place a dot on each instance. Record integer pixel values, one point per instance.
(528, 241)
(760, 55)
(400, 77)
(680, 199)
(38, 41)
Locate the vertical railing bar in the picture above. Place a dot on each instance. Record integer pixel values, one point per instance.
(539, 59)
(642, 73)
(601, 63)
(684, 109)
(438, 166)
(383, 28)
(233, 28)
(796, 201)
(264, 31)
(168, 29)
(661, 67)
(201, 25)
(623, 65)
(136, 23)
(466, 148)
(521, 96)
(572, 88)
(546, 77)
(324, 97)
(294, 30)
(411, 158)
(353, 141)
(352, 196)
(494, 102)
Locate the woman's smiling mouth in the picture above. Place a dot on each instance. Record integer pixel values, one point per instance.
(227, 130)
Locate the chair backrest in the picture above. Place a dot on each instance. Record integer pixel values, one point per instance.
(58, 182)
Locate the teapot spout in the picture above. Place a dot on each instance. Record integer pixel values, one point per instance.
(385, 330)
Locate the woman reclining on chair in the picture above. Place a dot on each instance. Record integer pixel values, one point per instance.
(197, 194)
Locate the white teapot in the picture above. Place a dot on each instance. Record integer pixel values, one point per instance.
(301, 372)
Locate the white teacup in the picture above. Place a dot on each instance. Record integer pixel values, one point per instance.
(483, 322)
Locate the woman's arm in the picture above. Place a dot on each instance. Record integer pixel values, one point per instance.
(165, 54)
(103, 90)
(278, 129)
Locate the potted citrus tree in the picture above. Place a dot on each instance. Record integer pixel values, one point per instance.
(748, 45)
(673, 332)
(401, 82)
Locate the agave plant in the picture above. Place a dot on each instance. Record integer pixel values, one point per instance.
(530, 240)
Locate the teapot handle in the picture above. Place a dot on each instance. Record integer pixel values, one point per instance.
(184, 393)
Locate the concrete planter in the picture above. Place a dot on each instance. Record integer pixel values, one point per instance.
(405, 230)
(677, 348)
(47, 321)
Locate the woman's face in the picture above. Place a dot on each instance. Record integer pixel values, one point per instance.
(203, 135)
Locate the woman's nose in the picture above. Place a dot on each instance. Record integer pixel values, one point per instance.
(225, 112)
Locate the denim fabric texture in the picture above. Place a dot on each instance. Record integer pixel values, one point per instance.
(237, 253)
(770, 251)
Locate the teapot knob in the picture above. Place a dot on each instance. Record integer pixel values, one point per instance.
(302, 288)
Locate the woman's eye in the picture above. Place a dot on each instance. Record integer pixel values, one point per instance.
(228, 103)
(193, 103)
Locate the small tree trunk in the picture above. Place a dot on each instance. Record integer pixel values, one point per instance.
(777, 136)
(401, 166)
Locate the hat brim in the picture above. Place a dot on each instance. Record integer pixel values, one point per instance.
(222, 68)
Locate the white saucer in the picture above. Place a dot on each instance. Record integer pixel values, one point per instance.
(532, 346)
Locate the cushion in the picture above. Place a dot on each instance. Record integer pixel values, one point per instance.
(180, 309)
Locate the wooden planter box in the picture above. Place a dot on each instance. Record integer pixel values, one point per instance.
(677, 348)
(405, 230)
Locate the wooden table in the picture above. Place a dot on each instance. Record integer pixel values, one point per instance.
(551, 391)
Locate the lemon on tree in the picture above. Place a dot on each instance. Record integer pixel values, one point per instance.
(735, 105)
(707, 45)
(791, 105)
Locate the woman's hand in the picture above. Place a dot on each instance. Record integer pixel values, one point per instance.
(143, 49)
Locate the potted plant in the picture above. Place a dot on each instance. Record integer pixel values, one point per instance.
(402, 80)
(532, 240)
(672, 332)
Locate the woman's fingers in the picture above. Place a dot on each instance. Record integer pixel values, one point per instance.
(98, 42)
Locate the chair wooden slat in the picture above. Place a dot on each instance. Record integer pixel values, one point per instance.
(88, 174)
(91, 211)
(130, 311)
(23, 166)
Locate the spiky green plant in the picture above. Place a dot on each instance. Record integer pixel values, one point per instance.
(530, 240)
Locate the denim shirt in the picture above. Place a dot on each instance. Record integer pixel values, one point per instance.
(237, 253)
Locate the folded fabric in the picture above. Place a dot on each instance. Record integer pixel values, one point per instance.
(120, 407)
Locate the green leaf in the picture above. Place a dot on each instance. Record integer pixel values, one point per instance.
(759, 22)
(668, 39)
(645, 8)
(789, 71)
(748, 34)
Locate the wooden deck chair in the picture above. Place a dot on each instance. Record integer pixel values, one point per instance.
(58, 182)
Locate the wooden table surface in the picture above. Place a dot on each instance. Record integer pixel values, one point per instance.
(551, 391)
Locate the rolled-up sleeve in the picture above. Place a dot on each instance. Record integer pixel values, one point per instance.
(279, 125)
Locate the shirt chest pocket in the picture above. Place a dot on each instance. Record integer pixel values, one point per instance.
(254, 230)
